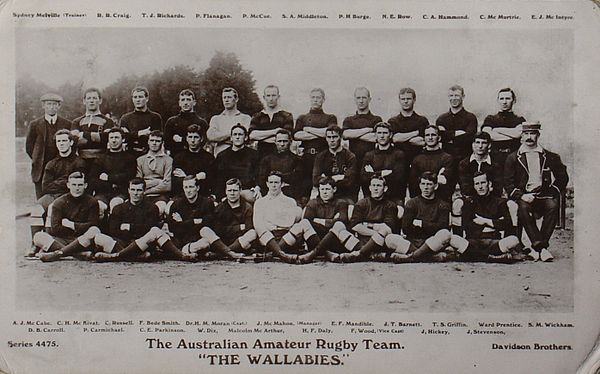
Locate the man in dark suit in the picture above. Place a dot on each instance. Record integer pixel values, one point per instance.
(39, 143)
(535, 178)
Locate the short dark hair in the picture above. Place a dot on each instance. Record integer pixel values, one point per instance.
(406, 90)
(327, 181)
(232, 181)
(508, 89)
(116, 129)
(276, 173)
(456, 87)
(194, 128)
(483, 135)
(142, 89)
(92, 89)
(271, 86)
(334, 128)
(378, 176)
(382, 124)
(187, 92)
(156, 133)
(432, 126)
(480, 173)
(239, 126)
(137, 180)
(189, 178)
(63, 132)
(429, 176)
(76, 175)
(284, 132)
(230, 89)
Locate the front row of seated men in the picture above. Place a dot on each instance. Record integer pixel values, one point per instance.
(276, 226)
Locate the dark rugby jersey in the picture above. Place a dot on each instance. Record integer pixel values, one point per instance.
(433, 213)
(319, 119)
(92, 126)
(56, 173)
(120, 168)
(228, 221)
(82, 210)
(390, 159)
(404, 124)
(360, 121)
(288, 164)
(490, 207)
(369, 210)
(141, 218)
(177, 125)
(458, 146)
(262, 121)
(317, 208)
(343, 162)
(467, 169)
(136, 121)
(504, 119)
(187, 230)
(241, 164)
(193, 163)
(432, 161)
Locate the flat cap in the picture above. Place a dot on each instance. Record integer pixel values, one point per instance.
(51, 97)
(531, 126)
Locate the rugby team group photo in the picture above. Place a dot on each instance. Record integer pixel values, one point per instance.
(270, 187)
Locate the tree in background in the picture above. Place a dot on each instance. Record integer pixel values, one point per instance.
(225, 70)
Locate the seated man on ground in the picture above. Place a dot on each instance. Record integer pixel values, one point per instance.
(278, 224)
(73, 223)
(425, 225)
(485, 216)
(134, 232)
(323, 213)
(372, 220)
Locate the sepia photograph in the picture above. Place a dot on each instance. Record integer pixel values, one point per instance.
(352, 120)
(267, 187)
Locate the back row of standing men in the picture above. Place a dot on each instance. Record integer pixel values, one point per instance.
(401, 149)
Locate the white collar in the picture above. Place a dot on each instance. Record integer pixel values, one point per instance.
(51, 119)
(537, 149)
(487, 159)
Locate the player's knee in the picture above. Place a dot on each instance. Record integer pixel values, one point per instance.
(114, 202)
(443, 235)
(338, 226)
(208, 233)
(457, 206)
(378, 238)
(510, 242)
(400, 213)
(37, 211)
(298, 214)
(41, 239)
(250, 235)
(265, 237)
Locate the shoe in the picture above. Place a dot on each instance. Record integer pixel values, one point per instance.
(399, 258)
(332, 257)
(518, 256)
(32, 252)
(50, 256)
(189, 257)
(84, 256)
(545, 255)
(505, 258)
(534, 255)
(440, 257)
(104, 257)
